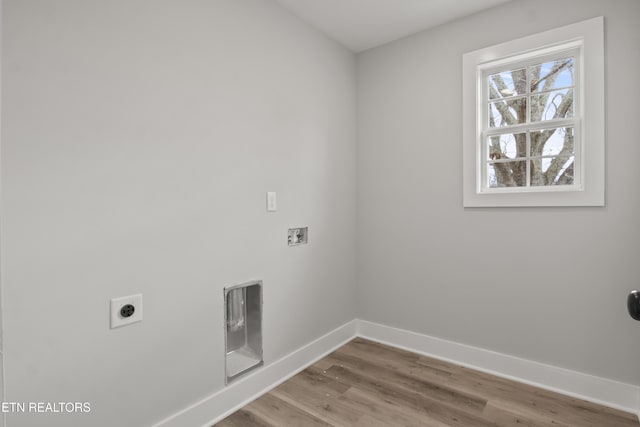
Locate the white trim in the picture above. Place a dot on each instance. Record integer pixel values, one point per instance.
(603, 391)
(224, 402)
(592, 131)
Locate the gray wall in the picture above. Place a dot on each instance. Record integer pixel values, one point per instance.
(139, 138)
(546, 284)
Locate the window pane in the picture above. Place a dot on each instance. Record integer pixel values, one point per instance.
(507, 146)
(508, 83)
(552, 142)
(552, 105)
(552, 75)
(508, 112)
(552, 171)
(507, 174)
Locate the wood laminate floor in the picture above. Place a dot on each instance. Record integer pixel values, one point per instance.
(367, 384)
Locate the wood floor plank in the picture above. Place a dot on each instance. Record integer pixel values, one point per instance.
(369, 421)
(365, 383)
(243, 418)
(434, 390)
(277, 413)
(314, 377)
(400, 357)
(389, 412)
(532, 402)
(394, 359)
(411, 400)
(322, 364)
(506, 417)
(319, 398)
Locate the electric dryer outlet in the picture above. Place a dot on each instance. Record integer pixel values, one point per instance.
(126, 310)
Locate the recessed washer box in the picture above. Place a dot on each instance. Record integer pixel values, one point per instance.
(243, 329)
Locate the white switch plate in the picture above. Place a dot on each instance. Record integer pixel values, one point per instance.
(272, 202)
(117, 319)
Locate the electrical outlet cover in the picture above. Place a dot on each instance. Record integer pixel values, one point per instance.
(116, 305)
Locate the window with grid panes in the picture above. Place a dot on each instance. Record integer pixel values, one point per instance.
(531, 126)
(533, 120)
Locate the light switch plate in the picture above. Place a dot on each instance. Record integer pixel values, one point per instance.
(272, 201)
(126, 310)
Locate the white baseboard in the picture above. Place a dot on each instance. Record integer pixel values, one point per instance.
(603, 391)
(233, 397)
(224, 402)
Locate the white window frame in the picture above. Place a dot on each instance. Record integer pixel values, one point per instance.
(585, 40)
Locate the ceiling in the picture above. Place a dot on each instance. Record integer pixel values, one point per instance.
(363, 24)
